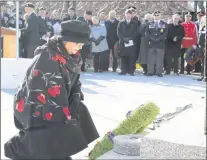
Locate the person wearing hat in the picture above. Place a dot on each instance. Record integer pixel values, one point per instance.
(156, 33)
(86, 50)
(173, 46)
(200, 14)
(71, 14)
(52, 120)
(31, 33)
(188, 41)
(127, 31)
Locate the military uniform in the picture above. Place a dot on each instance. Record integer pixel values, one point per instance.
(188, 41)
(156, 33)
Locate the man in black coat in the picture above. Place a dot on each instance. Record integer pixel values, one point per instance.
(71, 14)
(31, 33)
(175, 35)
(156, 33)
(127, 32)
(112, 38)
(43, 26)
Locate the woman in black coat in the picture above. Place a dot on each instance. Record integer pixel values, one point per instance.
(53, 123)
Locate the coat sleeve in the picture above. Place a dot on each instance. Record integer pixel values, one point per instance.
(76, 96)
(30, 26)
(119, 31)
(43, 96)
(135, 33)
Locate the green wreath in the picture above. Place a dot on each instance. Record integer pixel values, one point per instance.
(135, 122)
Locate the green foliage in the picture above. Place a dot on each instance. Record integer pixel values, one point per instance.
(139, 119)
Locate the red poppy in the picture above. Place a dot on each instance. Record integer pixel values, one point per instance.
(56, 89)
(20, 105)
(51, 92)
(37, 113)
(67, 113)
(61, 59)
(54, 58)
(35, 72)
(77, 53)
(48, 116)
(41, 98)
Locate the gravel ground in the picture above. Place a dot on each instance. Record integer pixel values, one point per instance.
(158, 149)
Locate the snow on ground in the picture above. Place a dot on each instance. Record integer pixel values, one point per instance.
(110, 96)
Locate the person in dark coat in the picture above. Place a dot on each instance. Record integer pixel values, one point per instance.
(175, 35)
(43, 26)
(71, 14)
(52, 121)
(31, 33)
(156, 33)
(112, 38)
(138, 39)
(142, 59)
(86, 50)
(127, 32)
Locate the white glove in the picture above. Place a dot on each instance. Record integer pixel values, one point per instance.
(19, 33)
(175, 39)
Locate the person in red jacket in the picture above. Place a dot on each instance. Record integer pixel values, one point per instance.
(189, 39)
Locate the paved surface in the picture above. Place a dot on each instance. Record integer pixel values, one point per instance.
(110, 96)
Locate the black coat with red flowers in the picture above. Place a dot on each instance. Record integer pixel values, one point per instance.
(48, 107)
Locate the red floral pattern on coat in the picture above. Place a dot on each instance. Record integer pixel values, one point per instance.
(41, 98)
(60, 58)
(20, 105)
(67, 113)
(35, 72)
(37, 113)
(48, 116)
(54, 91)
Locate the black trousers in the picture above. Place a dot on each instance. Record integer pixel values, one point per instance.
(115, 61)
(29, 50)
(85, 51)
(127, 64)
(170, 64)
(182, 66)
(100, 60)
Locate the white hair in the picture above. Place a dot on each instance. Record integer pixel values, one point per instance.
(176, 16)
(113, 13)
(148, 16)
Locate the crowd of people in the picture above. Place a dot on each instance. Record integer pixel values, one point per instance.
(156, 44)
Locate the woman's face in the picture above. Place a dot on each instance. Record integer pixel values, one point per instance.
(95, 21)
(72, 47)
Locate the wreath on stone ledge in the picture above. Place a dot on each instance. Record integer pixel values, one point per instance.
(135, 122)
